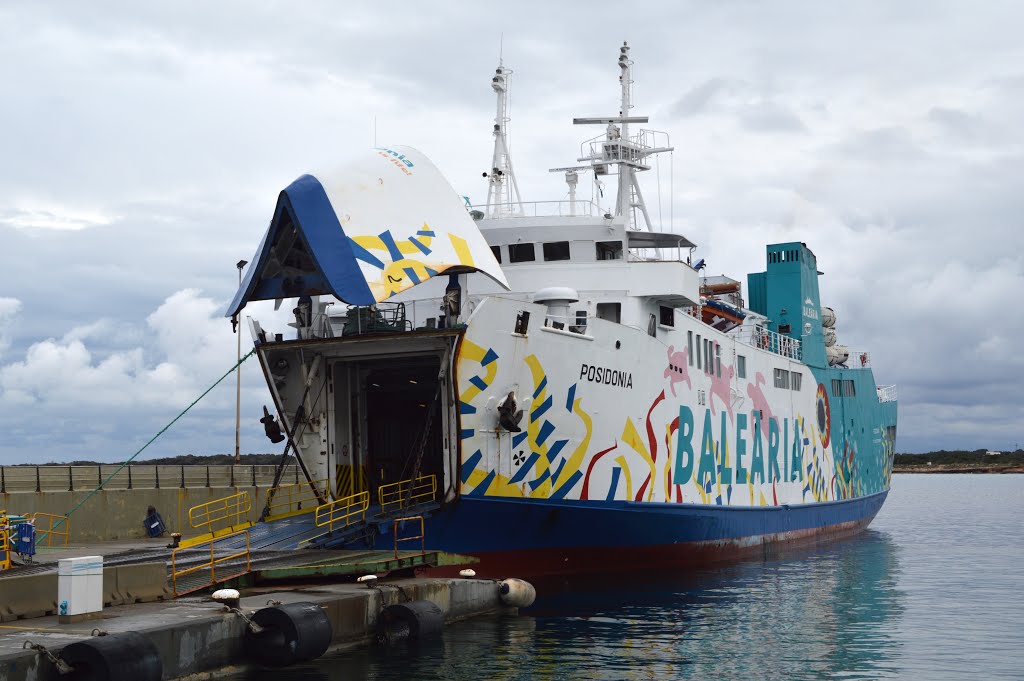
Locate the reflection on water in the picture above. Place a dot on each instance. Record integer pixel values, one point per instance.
(905, 598)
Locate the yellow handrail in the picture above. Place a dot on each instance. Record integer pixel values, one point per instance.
(400, 495)
(233, 510)
(288, 500)
(421, 536)
(63, 528)
(343, 511)
(5, 543)
(210, 564)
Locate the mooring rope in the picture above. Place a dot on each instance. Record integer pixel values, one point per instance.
(153, 439)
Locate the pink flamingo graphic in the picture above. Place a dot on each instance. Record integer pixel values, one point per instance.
(677, 368)
(720, 389)
(760, 402)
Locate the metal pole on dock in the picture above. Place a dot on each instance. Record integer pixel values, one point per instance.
(238, 372)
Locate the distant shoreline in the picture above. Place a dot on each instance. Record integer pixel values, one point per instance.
(960, 468)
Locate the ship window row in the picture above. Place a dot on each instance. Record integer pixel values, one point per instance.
(843, 388)
(554, 251)
(788, 380)
(784, 256)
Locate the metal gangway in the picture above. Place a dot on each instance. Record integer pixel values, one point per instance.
(230, 545)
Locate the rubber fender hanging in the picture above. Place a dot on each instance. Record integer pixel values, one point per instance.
(517, 593)
(409, 621)
(126, 656)
(290, 633)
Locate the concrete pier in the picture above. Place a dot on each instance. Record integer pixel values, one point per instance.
(196, 636)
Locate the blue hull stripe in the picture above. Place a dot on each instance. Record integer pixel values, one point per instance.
(468, 525)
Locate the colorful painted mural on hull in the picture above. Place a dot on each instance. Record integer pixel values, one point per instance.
(642, 422)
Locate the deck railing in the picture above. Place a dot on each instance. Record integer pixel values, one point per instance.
(886, 393)
(765, 339)
(58, 478)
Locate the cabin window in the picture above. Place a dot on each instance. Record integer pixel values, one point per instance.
(741, 366)
(652, 325)
(784, 328)
(837, 387)
(611, 312)
(496, 250)
(556, 250)
(581, 322)
(849, 389)
(689, 346)
(795, 379)
(718, 360)
(782, 379)
(609, 250)
(521, 253)
(698, 350)
(666, 315)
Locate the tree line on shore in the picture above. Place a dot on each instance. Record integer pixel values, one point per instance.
(961, 457)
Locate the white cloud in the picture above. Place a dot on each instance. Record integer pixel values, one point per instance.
(151, 143)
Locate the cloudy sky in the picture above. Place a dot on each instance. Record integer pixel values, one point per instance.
(143, 146)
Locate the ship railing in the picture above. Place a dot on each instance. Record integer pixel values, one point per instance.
(859, 359)
(343, 512)
(766, 339)
(538, 209)
(886, 393)
(406, 493)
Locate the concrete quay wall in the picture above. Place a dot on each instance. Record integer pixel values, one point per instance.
(197, 638)
(118, 514)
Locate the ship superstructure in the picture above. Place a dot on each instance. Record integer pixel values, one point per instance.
(545, 381)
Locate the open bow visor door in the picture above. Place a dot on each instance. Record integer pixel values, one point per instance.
(365, 232)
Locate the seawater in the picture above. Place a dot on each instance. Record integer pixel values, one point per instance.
(934, 589)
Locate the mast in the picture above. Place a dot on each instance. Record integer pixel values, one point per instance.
(502, 189)
(628, 153)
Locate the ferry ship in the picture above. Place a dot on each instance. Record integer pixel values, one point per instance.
(555, 387)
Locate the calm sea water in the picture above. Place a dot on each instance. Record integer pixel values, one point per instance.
(933, 590)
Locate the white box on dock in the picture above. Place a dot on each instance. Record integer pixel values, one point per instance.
(80, 585)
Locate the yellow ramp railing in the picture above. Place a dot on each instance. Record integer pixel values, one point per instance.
(5, 542)
(295, 499)
(227, 571)
(49, 525)
(219, 518)
(343, 512)
(396, 526)
(402, 494)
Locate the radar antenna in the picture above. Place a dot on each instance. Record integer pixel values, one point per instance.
(502, 189)
(628, 153)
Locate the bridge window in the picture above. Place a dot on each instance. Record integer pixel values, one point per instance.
(741, 366)
(496, 250)
(556, 250)
(521, 253)
(666, 315)
(609, 250)
(782, 379)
